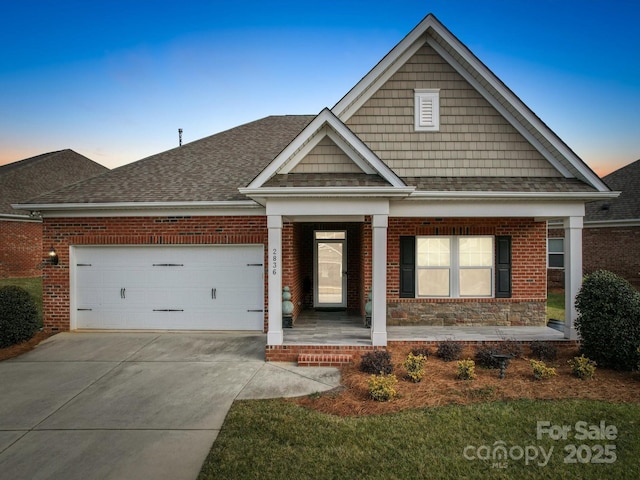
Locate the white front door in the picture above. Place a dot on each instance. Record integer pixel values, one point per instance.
(330, 254)
(168, 287)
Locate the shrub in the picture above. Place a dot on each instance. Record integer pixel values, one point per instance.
(545, 351)
(466, 370)
(609, 320)
(18, 315)
(484, 357)
(424, 351)
(541, 371)
(382, 387)
(583, 367)
(449, 350)
(511, 347)
(414, 364)
(376, 362)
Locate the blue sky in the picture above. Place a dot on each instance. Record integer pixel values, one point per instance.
(114, 80)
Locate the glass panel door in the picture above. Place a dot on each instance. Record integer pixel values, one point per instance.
(331, 275)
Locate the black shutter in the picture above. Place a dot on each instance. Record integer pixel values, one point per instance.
(407, 267)
(503, 267)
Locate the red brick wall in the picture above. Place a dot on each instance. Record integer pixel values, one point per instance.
(529, 266)
(529, 250)
(616, 249)
(20, 249)
(180, 230)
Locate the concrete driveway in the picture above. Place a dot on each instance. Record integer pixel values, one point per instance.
(132, 405)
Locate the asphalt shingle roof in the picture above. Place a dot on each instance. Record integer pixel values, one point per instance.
(31, 177)
(627, 205)
(209, 169)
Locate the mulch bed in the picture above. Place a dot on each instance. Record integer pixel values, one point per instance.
(20, 348)
(439, 386)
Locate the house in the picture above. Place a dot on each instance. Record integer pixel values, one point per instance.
(428, 186)
(611, 235)
(20, 230)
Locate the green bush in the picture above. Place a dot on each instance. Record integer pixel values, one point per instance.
(541, 371)
(449, 350)
(545, 351)
(466, 370)
(414, 364)
(382, 387)
(583, 367)
(18, 315)
(378, 361)
(609, 320)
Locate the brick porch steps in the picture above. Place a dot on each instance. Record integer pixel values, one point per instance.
(324, 359)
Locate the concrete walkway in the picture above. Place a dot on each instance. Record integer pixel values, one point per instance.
(132, 405)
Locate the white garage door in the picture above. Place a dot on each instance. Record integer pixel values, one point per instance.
(169, 288)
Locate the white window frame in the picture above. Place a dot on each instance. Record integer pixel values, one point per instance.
(455, 268)
(428, 98)
(555, 252)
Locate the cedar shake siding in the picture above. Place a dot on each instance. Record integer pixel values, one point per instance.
(474, 140)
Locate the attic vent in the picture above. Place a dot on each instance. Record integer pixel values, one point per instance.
(427, 109)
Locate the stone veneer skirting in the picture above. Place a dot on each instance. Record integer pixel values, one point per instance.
(467, 313)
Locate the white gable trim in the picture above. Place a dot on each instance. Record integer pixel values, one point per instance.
(390, 64)
(326, 124)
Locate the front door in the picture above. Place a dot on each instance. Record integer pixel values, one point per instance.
(330, 254)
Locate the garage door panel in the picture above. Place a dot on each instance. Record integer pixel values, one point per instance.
(172, 288)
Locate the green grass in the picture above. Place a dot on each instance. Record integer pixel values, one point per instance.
(32, 285)
(275, 439)
(555, 305)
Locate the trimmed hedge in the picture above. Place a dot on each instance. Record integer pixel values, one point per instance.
(609, 320)
(18, 315)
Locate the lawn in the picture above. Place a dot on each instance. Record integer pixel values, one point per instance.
(33, 285)
(555, 305)
(277, 439)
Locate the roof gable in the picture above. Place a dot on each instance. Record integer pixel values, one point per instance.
(326, 124)
(432, 33)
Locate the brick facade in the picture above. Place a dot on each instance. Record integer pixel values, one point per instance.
(179, 230)
(526, 307)
(20, 249)
(616, 249)
(529, 283)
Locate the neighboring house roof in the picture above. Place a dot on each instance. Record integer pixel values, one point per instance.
(624, 208)
(32, 177)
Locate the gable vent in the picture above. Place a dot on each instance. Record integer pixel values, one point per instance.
(427, 110)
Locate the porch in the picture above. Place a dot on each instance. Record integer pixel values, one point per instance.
(324, 338)
(336, 328)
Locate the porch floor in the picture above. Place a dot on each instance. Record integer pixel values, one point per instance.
(341, 328)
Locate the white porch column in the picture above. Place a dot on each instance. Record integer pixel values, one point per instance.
(379, 280)
(572, 272)
(274, 270)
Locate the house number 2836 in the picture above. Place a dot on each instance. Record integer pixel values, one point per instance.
(274, 262)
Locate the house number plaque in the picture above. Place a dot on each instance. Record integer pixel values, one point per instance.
(274, 261)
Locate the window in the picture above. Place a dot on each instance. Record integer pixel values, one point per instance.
(555, 250)
(454, 266)
(427, 109)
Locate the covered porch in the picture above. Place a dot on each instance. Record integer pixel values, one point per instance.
(314, 328)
